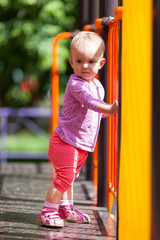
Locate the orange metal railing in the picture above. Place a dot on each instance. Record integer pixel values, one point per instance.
(112, 133)
(55, 79)
(112, 124)
(112, 137)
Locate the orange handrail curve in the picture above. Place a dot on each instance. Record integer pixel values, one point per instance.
(55, 78)
(98, 23)
(118, 13)
(87, 27)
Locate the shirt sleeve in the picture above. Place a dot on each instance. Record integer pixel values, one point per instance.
(81, 92)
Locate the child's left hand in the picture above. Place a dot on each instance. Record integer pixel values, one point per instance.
(115, 107)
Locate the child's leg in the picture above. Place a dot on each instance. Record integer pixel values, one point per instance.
(67, 198)
(65, 159)
(70, 193)
(70, 197)
(49, 215)
(82, 159)
(68, 213)
(53, 195)
(75, 215)
(62, 156)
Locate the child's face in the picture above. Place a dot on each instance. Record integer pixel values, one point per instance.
(86, 60)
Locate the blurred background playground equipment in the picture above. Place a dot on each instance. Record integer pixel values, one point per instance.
(125, 165)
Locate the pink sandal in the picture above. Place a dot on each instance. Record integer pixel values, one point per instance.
(50, 217)
(86, 218)
(74, 215)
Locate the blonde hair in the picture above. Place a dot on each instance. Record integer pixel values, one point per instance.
(86, 36)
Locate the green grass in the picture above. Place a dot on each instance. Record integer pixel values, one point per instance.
(27, 141)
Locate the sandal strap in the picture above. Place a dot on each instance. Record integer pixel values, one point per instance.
(50, 213)
(77, 211)
(83, 217)
(50, 217)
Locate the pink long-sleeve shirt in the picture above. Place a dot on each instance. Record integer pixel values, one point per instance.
(80, 121)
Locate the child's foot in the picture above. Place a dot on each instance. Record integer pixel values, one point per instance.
(50, 217)
(64, 211)
(74, 215)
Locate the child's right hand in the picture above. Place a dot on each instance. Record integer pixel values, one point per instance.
(115, 107)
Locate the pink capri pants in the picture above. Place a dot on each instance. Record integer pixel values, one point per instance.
(67, 161)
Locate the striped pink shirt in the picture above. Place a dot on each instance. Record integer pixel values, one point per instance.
(80, 121)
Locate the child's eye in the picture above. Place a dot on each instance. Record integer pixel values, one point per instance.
(91, 61)
(78, 61)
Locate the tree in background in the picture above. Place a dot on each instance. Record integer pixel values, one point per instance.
(27, 29)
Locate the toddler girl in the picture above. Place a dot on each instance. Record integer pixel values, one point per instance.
(78, 127)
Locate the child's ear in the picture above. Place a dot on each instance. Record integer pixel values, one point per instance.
(102, 62)
(70, 61)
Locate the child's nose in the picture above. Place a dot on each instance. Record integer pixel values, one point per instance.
(85, 65)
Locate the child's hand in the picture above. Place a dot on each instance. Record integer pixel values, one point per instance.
(108, 109)
(115, 107)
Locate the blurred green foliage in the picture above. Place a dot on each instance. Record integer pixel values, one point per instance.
(27, 29)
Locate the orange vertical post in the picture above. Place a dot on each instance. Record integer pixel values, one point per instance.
(116, 96)
(112, 137)
(95, 164)
(97, 26)
(55, 79)
(109, 123)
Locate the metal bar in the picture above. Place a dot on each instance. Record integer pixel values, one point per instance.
(93, 10)
(95, 167)
(27, 155)
(55, 78)
(106, 9)
(155, 123)
(110, 121)
(119, 117)
(102, 142)
(3, 146)
(93, 14)
(29, 112)
(83, 13)
(33, 127)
